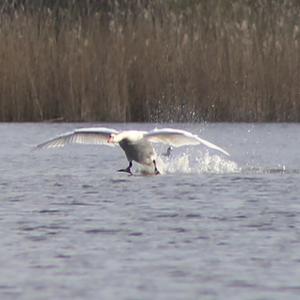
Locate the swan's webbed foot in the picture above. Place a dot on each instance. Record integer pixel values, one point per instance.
(155, 168)
(127, 170)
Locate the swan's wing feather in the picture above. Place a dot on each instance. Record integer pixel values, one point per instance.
(178, 138)
(92, 136)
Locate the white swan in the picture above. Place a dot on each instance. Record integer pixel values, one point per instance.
(137, 145)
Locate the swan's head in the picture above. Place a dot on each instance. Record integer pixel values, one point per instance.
(112, 139)
(115, 138)
(131, 135)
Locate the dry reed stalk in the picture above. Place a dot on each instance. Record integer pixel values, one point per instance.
(151, 61)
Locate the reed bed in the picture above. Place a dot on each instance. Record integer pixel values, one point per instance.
(154, 61)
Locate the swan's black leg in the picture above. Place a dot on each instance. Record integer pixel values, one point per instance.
(127, 170)
(155, 168)
(168, 152)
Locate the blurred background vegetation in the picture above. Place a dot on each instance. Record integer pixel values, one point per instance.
(142, 60)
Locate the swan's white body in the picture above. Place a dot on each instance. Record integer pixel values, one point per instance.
(137, 145)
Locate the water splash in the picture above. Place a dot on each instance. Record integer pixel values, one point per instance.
(189, 163)
(179, 164)
(277, 169)
(216, 164)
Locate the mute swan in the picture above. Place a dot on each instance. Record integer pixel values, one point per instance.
(137, 145)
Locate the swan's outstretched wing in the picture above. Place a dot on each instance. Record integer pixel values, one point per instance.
(94, 136)
(177, 138)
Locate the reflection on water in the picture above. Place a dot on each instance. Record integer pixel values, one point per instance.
(210, 227)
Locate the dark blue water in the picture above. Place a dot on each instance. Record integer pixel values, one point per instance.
(210, 227)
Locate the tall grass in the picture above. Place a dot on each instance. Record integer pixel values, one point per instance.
(160, 60)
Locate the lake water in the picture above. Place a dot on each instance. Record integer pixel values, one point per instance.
(210, 227)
